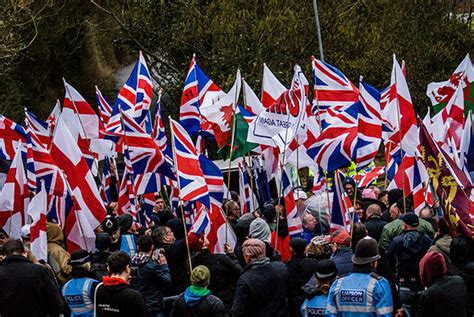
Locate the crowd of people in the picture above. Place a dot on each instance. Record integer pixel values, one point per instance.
(392, 262)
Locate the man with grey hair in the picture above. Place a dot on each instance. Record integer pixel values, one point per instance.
(263, 286)
(374, 223)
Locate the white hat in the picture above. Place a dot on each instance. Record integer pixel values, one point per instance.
(299, 194)
(25, 232)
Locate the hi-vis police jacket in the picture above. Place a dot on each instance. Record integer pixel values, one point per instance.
(360, 294)
(79, 295)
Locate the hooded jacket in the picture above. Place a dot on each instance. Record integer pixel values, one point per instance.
(58, 257)
(115, 298)
(395, 228)
(198, 302)
(443, 246)
(404, 251)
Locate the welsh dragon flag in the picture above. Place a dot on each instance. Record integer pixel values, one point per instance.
(441, 92)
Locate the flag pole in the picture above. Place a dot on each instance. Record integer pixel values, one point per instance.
(318, 29)
(386, 165)
(183, 220)
(401, 147)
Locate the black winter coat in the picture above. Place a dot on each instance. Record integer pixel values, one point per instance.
(151, 280)
(27, 289)
(119, 300)
(225, 271)
(343, 260)
(466, 271)
(262, 290)
(99, 264)
(374, 226)
(445, 297)
(300, 270)
(176, 255)
(210, 306)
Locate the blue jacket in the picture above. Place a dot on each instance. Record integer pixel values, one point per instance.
(315, 306)
(79, 295)
(343, 260)
(360, 294)
(127, 244)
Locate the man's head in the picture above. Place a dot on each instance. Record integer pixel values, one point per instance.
(340, 238)
(259, 229)
(25, 233)
(410, 221)
(349, 186)
(298, 246)
(232, 209)
(164, 234)
(374, 209)
(159, 204)
(112, 208)
(200, 276)
(126, 223)
(402, 206)
(102, 241)
(145, 244)
(110, 226)
(426, 213)
(253, 250)
(3, 236)
(14, 247)
(119, 265)
(309, 222)
(383, 198)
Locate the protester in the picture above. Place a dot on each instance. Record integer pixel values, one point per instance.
(58, 257)
(341, 251)
(374, 222)
(263, 286)
(232, 211)
(445, 295)
(3, 236)
(462, 256)
(160, 214)
(127, 234)
(197, 300)
(350, 187)
(300, 268)
(426, 213)
(359, 232)
(99, 258)
(442, 244)
(25, 238)
(114, 297)
(79, 291)
(27, 289)
(319, 248)
(280, 238)
(362, 292)
(152, 275)
(309, 226)
(317, 296)
(395, 228)
(225, 270)
(176, 254)
(259, 229)
(407, 249)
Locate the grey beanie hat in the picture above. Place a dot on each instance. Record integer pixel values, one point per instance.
(259, 229)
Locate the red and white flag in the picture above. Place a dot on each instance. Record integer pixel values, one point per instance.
(68, 157)
(14, 198)
(272, 88)
(37, 210)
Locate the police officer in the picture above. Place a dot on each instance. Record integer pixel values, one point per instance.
(127, 229)
(362, 292)
(79, 291)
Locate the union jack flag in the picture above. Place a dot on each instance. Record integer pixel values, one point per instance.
(214, 179)
(105, 186)
(192, 185)
(201, 220)
(319, 181)
(369, 125)
(145, 155)
(126, 200)
(368, 176)
(196, 86)
(11, 134)
(247, 199)
(38, 127)
(42, 168)
(59, 208)
(159, 133)
(135, 96)
(105, 110)
(332, 89)
(295, 226)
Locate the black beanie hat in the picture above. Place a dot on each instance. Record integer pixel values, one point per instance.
(298, 245)
(394, 195)
(349, 180)
(102, 241)
(125, 222)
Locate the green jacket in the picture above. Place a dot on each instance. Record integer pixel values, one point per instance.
(395, 228)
